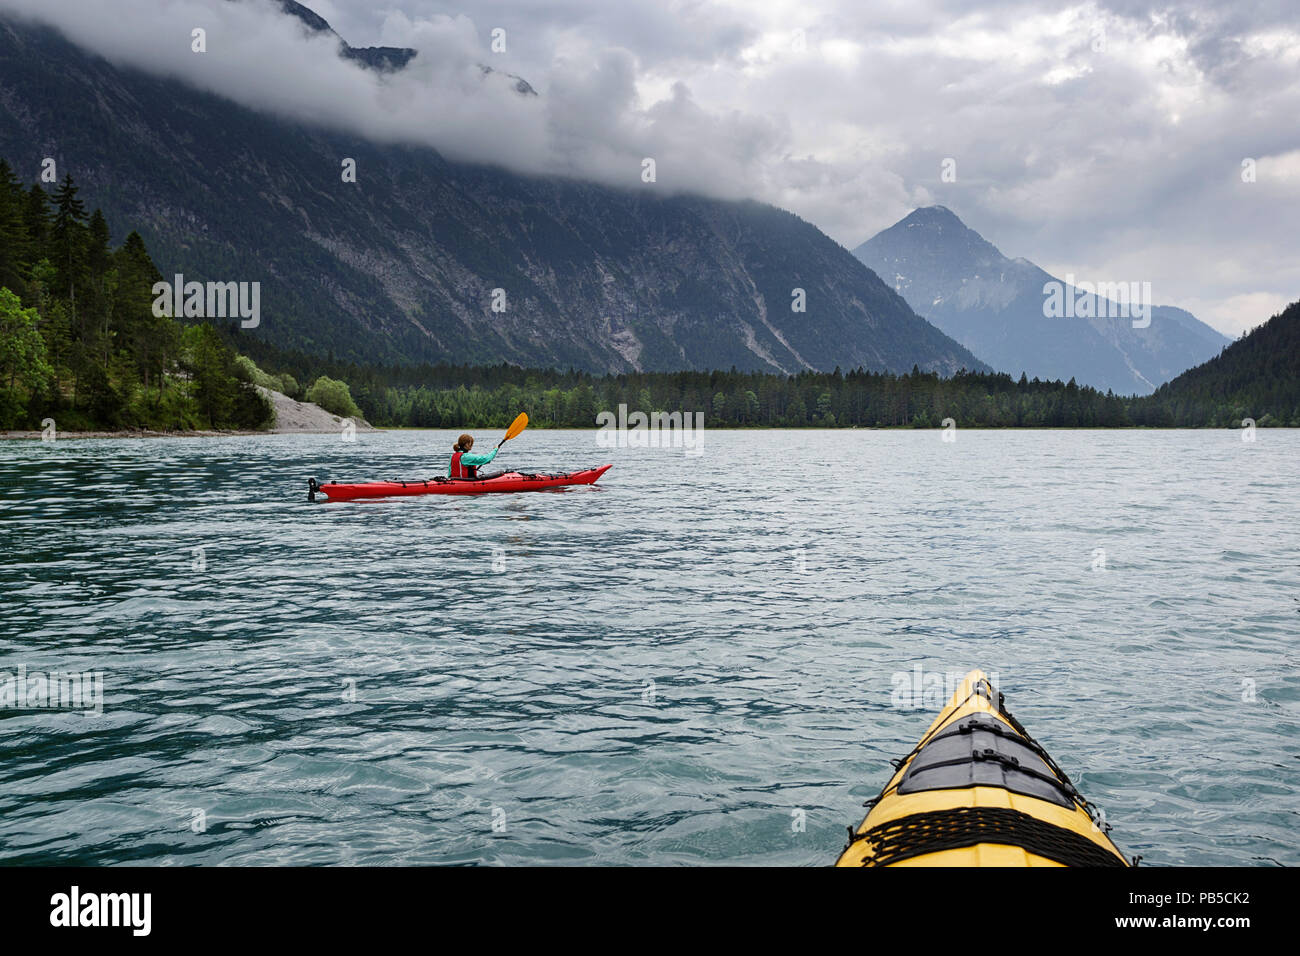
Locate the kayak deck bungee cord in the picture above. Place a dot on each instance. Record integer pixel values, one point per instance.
(977, 790)
(506, 482)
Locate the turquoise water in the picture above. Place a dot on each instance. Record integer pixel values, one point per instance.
(701, 660)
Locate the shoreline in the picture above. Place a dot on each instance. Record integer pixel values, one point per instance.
(292, 417)
(151, 433)
(18, 435)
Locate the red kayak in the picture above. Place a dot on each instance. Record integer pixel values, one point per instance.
(510, 481)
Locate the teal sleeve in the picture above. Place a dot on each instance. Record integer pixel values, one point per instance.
(472, 460)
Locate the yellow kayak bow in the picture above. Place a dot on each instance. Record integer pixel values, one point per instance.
(977, 790)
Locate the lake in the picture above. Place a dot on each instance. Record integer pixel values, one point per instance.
(703, 659)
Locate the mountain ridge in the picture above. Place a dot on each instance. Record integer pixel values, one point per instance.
(382, 58)
(404, 264)
(994, 305)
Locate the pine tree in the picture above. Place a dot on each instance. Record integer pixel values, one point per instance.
(101, 281)
(153, 341)
(36, 222)
(67, 237)
(14, 246)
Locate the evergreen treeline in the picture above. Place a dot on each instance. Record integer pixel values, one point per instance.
(446, 396)
(79, 342)
(1256, 377)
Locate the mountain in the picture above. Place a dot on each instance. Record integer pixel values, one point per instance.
(400, 266)
(994, 306)
(1257, 377)
(382, 58)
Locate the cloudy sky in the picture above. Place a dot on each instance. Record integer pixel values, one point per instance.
(1106, 140)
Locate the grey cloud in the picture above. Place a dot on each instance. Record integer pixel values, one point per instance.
(1126, 160)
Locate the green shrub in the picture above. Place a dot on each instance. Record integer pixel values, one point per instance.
(252, 409)
(246, 370)
(333, 396)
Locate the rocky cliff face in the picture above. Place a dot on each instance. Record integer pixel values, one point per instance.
(405, 263)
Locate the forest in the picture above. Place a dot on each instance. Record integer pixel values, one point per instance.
(79, 341)
(1255, 378)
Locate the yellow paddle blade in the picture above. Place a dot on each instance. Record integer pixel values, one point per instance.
(518, 425)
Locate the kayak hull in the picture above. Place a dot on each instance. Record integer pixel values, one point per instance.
(511, 481)
(977, 790)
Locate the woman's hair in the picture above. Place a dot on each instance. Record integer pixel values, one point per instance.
(463, 442)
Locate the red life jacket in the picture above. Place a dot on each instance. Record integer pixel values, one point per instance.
(461, 471)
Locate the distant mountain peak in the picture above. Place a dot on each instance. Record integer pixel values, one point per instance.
(993, 305)
(313, 20)
(522, 86)
(943, 221)
(934, 214)
(385, 59)
(931, 240)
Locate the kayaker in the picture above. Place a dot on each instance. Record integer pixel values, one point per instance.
(463, 463)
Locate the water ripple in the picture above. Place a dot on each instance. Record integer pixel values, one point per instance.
(696, 662)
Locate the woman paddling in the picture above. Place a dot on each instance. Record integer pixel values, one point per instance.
(464, 464)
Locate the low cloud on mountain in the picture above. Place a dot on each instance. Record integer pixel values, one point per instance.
(1100, 139)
